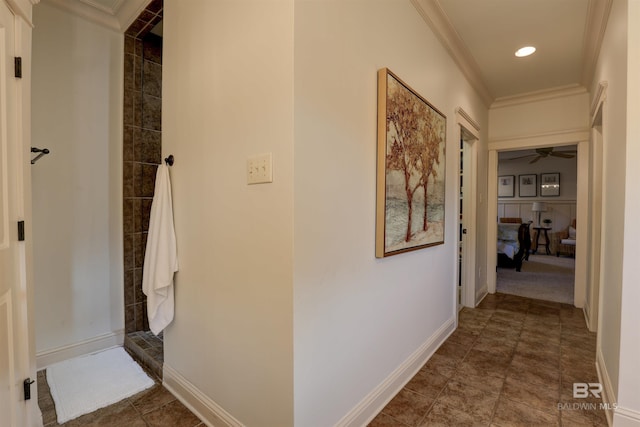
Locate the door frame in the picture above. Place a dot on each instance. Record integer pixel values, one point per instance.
(583, 213)
(468, 130)
(23, 315)
(596, 181)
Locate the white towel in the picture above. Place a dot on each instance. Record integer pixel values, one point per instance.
(161, 257)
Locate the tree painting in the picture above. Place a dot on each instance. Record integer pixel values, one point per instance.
(411, 151)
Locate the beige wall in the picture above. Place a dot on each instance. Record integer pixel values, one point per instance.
(629, 377)
(227, 96)
(358, 318)
(77, 220)
(281, 306)
(566, 111)
(612, 68)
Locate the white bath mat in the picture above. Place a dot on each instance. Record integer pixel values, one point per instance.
(83, 384)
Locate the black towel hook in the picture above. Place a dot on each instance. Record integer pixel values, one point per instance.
(41, 151)
(169, 160)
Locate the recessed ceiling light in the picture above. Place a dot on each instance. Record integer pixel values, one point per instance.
(525, 51)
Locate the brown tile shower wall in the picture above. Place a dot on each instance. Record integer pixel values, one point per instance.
(142, 152)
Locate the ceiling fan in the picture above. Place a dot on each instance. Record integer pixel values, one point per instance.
(542, 153)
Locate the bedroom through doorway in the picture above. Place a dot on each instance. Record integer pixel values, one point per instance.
(539, 187)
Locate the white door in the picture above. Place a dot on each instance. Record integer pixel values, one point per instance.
(13, 360)
(463, 183)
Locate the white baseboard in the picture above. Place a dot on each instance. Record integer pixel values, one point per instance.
(91, 345)
(624, 417)
(481, 294)
(206, 409)
(378, 398)
(587, 317)
(608, 395)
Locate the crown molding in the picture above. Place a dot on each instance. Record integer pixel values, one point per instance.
(23, 8)
(118, 17)
(433, 14)
(110, 10)
(594, 30)
(545, 139)
(539, 95)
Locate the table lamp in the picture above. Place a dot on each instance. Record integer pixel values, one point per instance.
(537, 208)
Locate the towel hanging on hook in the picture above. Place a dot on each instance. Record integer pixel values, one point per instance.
(41, 151)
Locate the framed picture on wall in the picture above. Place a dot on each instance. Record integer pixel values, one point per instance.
(411, 175)
(506, 186)
(528, 185)
(549, 184)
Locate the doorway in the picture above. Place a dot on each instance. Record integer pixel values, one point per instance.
(467, 210)
(538, 187)
(142, 152)
(579, 138)
(595, 205)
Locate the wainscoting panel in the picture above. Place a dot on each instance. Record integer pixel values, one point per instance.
(560, 213)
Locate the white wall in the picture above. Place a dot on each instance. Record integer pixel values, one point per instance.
(629, 377)
(560, 112)
(227, 96)
(77, 213)
(281, 306)
(358, 318)
(612, 68)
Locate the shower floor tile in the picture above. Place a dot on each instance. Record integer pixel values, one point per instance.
(146, 349)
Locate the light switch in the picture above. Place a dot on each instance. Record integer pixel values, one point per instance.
(260, 169)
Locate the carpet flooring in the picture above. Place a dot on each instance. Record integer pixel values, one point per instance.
(543, 277)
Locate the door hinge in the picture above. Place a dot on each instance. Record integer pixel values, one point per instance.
(21, 231)
(27, 388)
(18, 67)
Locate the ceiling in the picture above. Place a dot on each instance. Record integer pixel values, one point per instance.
(519, 155)
(493, 30)
(482, 36)
(106, 5)
(115, 14)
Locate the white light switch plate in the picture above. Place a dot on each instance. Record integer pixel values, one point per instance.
(260, 169)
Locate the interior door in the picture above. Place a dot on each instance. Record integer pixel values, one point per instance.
(466, 221)
(13, 411)
(462, 220)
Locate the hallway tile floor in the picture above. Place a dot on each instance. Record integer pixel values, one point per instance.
(511, 362)
(154, 407)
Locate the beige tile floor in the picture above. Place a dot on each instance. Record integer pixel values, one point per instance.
(154, 407)
(511, 362)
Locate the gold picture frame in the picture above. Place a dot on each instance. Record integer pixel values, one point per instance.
(410, 209)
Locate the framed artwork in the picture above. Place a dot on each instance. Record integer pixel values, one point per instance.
(528, 185)
(549, 184)
(506, 185)
(410, 167)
